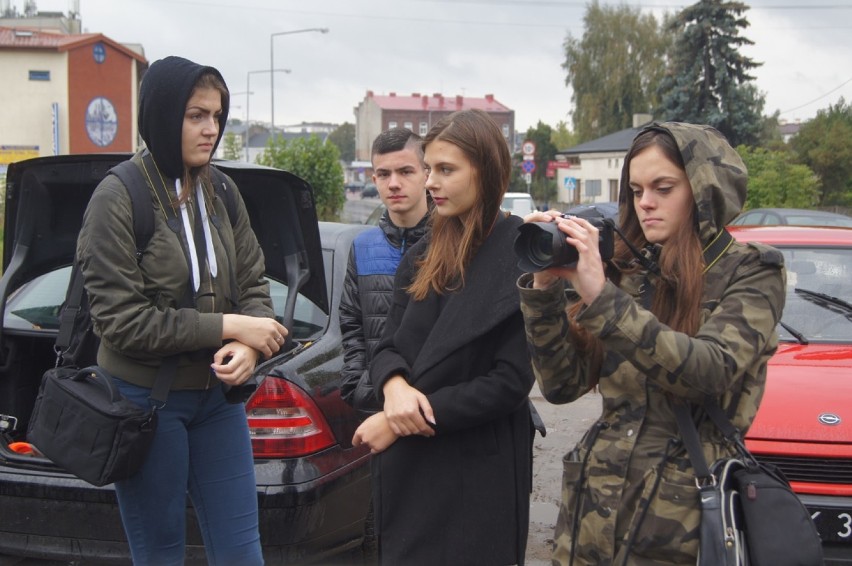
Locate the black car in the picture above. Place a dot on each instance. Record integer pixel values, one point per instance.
(370, 191)
(313, 487)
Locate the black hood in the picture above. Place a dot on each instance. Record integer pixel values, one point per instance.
(166, 88)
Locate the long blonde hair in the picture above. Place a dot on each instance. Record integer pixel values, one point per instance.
(454, 240)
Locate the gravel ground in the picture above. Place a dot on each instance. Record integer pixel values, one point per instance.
(565, 426)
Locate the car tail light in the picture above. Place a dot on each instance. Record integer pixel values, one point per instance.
(284, 422)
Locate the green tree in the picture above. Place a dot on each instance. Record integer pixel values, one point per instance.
(770, 133)
(232, 146)
(614, 69)
(317, 163)
(825, 145)
(708, 80)
(775, 180)
(542, 189)
(344, 138)
(562, 137)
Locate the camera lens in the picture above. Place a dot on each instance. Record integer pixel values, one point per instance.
(540, 248)
(539, 245)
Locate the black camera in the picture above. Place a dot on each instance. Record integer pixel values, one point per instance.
(540, 245)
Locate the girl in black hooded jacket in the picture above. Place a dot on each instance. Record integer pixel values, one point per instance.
(197, 299)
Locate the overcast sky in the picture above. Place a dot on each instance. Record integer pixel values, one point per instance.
(509, 48)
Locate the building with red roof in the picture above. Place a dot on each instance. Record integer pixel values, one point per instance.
(419, 112)
(66, 93)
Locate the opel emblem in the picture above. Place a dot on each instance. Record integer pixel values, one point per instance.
(829, 419)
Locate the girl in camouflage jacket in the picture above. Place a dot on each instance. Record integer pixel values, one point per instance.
(669, 326)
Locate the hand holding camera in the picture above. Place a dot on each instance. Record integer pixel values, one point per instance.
(569, 247)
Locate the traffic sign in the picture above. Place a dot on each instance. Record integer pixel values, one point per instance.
(528, 148)
(552, 166)
(528, 166)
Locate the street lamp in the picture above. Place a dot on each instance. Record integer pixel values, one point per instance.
(248, 99)
(272, 64)
(245, 126)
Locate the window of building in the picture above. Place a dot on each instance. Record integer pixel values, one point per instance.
(593, 187)
(424, 128)
(613, 190)
(408, 126)
(39, 75)
(391, 125)
(506, 131)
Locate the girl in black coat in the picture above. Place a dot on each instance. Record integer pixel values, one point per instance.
(451, 476)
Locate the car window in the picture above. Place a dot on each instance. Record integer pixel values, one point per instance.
(820, 270)
(806, 220)
(34, 307)
(374, 217)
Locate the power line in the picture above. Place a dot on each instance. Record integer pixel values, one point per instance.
(817, 98)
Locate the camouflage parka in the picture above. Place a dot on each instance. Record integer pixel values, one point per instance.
(628, 490)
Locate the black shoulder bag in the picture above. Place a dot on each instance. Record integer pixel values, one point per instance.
(749, 514)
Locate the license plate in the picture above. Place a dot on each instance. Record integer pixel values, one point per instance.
(834, 525)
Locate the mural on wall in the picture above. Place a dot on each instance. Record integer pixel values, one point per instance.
(101, 121)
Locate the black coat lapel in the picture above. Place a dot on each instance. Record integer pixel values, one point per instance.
(490, 295)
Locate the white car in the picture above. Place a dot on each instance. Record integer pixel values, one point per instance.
(518, 203)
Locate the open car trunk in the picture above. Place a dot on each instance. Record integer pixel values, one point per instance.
(45, 201)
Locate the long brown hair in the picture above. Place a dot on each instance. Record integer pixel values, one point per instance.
(454, 240)
(677, 297)
(191, 174)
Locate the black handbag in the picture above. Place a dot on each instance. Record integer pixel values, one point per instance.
(749, 514)
(82, 423)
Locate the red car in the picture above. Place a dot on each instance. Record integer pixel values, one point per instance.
(804, 424)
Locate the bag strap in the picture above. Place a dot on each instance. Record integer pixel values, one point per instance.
(689, 435)
(692, 442)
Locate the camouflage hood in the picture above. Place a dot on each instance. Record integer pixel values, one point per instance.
(715, 170)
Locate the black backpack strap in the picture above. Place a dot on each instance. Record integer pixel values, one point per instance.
(140, 199)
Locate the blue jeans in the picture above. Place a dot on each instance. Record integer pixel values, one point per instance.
(202, 448)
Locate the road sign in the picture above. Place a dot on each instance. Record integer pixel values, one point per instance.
(528, 148)
(552, 166)
(528, 166)
(569, 183)
(528, 178)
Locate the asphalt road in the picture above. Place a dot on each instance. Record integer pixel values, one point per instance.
(356, 209)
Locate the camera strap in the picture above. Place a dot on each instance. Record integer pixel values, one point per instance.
(712, 252)
(716, 248)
